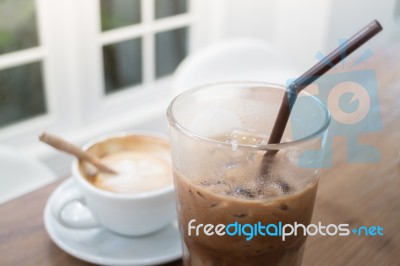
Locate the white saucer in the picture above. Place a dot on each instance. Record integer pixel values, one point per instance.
(101, 246)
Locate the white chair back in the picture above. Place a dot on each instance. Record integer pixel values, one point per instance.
(233, 60)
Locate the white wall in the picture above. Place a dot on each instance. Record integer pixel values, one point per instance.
(349, 16)
(300, 27)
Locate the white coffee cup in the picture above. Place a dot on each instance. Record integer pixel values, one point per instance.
(87, 206)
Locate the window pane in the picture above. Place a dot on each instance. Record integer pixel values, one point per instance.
(119, 13)
(171, 49)
(22, 94)
(18, 25)
(122, 64)
(166, 8)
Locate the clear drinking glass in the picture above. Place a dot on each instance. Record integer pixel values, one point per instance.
(219, 135)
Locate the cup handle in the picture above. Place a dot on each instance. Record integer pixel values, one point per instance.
(68, 209)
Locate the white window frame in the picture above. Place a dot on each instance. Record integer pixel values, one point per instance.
(70, 49)
(57, 116)
(92, 40)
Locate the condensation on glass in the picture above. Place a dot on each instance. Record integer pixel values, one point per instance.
(22, 94)
(119, 13)
(168, 8)
(122, 64)
(171, 49)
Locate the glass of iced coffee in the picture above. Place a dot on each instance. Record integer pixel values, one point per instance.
(231, 212)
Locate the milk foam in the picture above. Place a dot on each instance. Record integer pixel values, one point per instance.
(138, 171)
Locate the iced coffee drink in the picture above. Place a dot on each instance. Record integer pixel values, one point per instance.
(240, 196)
(218, 144)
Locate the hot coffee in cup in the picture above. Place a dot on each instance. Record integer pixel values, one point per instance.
(142, 162)
(138, 200)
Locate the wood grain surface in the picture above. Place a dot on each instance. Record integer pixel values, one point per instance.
(358, 194)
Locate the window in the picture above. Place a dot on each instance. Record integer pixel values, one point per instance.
(122, 64)
(115, 14)
(171, 48)
(141, 43)
(22, 89)
(82, 67)
(22, 93)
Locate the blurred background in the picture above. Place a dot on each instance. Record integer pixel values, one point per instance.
(80, 69)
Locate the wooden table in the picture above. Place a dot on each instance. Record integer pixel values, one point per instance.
(358, 194)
